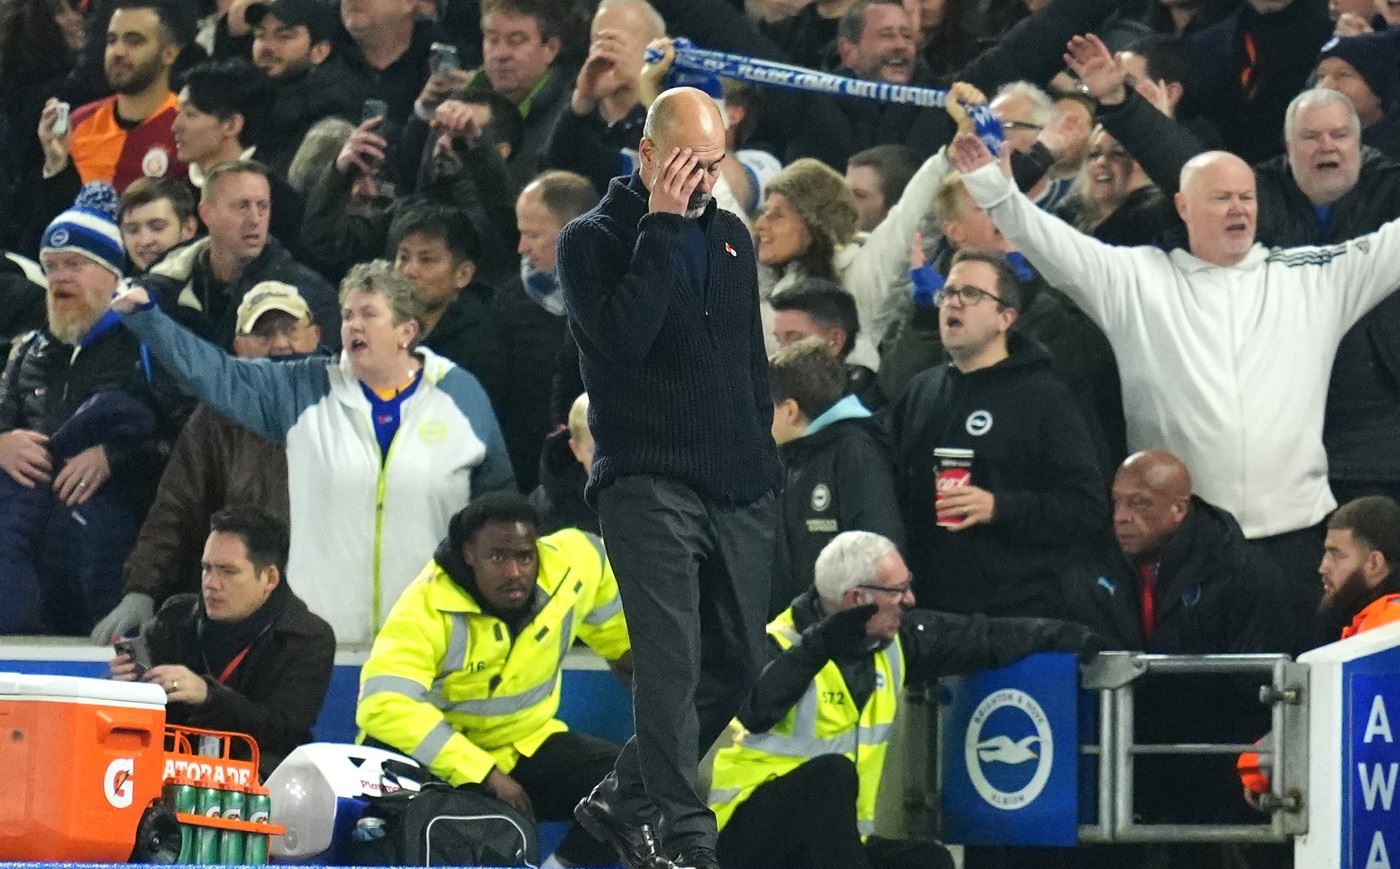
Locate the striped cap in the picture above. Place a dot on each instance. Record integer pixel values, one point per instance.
(90, 228)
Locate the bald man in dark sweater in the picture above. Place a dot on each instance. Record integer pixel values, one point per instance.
(662, 291)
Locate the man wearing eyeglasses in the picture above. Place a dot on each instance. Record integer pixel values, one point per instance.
(799, 788)
(987, 539)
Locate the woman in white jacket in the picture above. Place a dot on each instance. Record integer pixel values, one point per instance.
(385, 442)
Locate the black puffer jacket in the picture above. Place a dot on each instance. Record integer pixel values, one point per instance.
(469, 334)
(45, 383)
(1214, 593)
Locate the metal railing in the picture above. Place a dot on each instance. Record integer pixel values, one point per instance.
(1115, 675)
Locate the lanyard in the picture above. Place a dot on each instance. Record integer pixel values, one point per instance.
(233, 665)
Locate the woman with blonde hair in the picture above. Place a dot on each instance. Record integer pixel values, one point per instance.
(385, 441)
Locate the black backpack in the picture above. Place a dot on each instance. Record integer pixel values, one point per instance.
(442, 825)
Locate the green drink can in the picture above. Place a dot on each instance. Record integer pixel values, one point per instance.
(206, 839)
(231, 841)
(259, 812)
(181, 797)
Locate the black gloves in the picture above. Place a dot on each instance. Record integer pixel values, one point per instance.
(842, 634)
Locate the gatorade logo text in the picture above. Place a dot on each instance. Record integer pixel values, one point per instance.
(117, 786)
(204, 773)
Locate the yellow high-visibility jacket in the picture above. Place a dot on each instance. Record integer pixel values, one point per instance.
(824, 721)
(446, 684)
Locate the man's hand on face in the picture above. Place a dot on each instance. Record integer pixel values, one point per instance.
(459, 120)
(610, 67)
(678, 177)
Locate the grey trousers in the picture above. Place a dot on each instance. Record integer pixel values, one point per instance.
(694, 576)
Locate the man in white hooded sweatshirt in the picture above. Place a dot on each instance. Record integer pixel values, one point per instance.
(1224, 349)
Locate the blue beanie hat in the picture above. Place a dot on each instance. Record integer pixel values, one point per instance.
(90, 228)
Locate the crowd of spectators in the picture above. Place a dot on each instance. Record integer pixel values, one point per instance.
(1172, 263)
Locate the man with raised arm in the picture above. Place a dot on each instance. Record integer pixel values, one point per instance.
(1224, 348)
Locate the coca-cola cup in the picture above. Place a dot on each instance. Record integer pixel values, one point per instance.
(954, 471)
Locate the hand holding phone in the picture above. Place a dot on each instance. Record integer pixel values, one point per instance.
(137, 651)
(60, 121)
(443, 58)
(373, 108)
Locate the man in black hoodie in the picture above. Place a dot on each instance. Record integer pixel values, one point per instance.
(989, 539)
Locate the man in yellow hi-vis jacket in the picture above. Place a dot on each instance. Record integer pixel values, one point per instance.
(465, 674)
(797, 789)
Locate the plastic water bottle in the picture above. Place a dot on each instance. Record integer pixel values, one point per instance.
(369, 828)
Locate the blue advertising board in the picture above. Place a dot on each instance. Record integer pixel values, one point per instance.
(1371, 762)
(1011, 754)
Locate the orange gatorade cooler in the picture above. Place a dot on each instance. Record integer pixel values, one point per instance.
(82, 759)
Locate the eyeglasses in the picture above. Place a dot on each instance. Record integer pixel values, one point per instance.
(965, 295)
(1021, 125)
(892, 590)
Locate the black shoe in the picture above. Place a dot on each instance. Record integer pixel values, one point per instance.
(698, 857)
(635, 845)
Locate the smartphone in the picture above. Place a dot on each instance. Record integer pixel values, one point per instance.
(443, 57)
(60, 121)
(374, 109)
(137, 650)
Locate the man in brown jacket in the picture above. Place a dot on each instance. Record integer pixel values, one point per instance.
(213, 460)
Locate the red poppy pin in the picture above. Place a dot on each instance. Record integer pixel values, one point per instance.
(729, 249)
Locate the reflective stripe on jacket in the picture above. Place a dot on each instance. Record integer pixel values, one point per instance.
(447, 684)
(824, 721)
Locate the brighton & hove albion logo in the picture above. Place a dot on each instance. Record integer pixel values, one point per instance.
(1009, 749)
(821, 497)
(979, 422)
